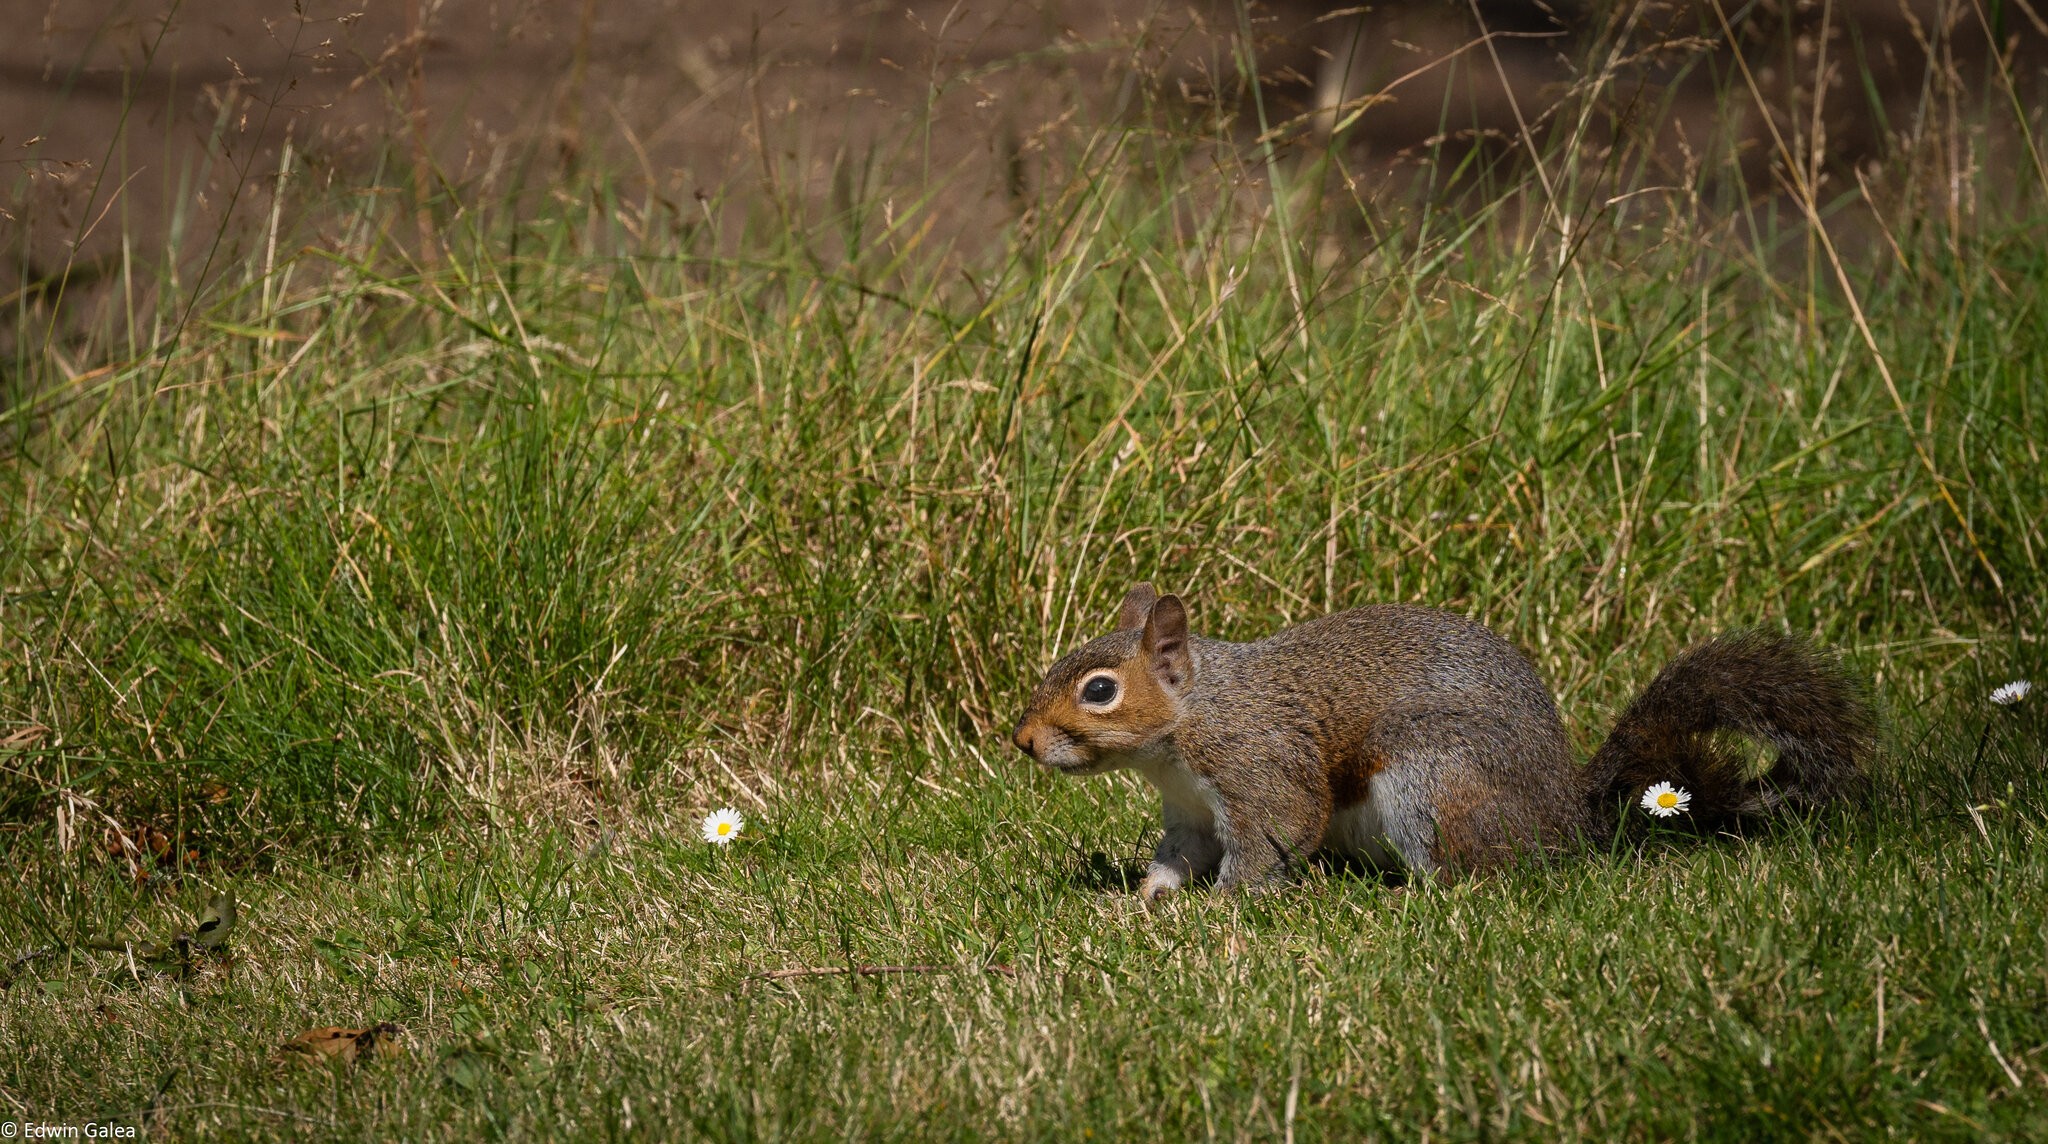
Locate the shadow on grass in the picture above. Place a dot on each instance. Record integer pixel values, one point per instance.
(1099, 873)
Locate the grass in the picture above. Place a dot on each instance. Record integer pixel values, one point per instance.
(426, 602)
(1845, 979)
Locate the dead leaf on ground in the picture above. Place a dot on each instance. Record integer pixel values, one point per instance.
(184, 952)
(216, 923)
(143, 837)
(331, 1043)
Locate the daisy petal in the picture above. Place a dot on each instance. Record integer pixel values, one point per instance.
(723, 825)
(1665, 800)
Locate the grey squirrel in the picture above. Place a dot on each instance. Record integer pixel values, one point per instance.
(1414, 738)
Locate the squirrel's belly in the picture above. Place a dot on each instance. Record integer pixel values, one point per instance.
(1358, 831)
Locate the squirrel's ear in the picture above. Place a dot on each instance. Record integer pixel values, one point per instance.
(1136, 606)
(1166, 642)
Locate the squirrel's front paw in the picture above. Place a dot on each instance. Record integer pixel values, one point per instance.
(1157, 885)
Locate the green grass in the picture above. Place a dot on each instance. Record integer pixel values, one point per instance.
(426, 604)
(595, 985)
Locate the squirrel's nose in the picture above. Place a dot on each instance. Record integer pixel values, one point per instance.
(1022, 737)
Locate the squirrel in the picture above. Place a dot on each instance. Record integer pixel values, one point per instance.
(1417, 740)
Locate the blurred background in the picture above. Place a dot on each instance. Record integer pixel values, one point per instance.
(399, 396)
(128, 123)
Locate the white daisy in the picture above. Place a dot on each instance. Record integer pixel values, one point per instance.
(2012, 692)
(1665, 800)
(723, 825)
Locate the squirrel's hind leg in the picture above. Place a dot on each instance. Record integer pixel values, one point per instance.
(1469, 790)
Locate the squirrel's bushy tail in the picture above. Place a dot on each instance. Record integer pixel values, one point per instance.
(1775, 689)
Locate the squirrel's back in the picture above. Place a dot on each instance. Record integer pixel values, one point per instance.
(1409, 654)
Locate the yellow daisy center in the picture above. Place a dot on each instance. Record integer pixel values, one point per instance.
(726, 827)
(1667, 799)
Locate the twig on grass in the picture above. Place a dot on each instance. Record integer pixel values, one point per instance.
(260, 1110)
(870, 971)
(14, 967)
(2011, 1073)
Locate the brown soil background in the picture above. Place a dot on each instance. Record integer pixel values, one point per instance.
(137, 126)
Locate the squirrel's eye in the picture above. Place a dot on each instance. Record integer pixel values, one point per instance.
(1100, 689)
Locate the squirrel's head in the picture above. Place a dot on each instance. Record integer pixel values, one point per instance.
(1103, 704)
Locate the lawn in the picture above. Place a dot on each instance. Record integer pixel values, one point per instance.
(421, 602)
